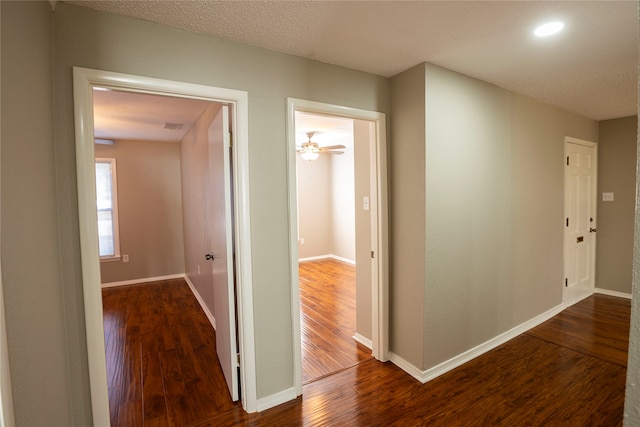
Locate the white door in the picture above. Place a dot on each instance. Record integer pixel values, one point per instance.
(220, 217)
(580, 219)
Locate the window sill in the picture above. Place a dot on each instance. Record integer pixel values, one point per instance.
(110, 258)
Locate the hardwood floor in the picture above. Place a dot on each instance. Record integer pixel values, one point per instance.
(598, 326)
(162, 368)
(569, 371)
(328, 319)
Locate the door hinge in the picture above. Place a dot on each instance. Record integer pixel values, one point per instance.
(567, 222)
(566, 282)
(230, 139)
(567, 160)
(238, 359)
(372, 254)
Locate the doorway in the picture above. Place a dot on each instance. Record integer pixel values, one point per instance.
(375, 261)
(580, 192)
(173, 186)
(332, 165)
(84, 82)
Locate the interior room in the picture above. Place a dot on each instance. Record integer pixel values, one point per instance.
(483, 132)
(329, 186)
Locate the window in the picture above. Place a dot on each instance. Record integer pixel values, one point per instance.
(107, 202)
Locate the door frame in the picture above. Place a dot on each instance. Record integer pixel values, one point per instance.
(6, 397)
(84, 80)
(594, 204)
(379, 226)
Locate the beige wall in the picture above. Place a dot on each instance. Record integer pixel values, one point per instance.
(616, 174)
(494, 204)
(30, 245)
(326, 218)
(99, 40)
(343, 205)
(315, 219)
(149, 209)
(491, 165)
(196, 188)
(407, 215)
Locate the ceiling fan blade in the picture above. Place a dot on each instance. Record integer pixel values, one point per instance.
(333, 147)
(331, 152)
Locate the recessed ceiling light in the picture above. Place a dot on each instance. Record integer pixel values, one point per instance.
(548, 29)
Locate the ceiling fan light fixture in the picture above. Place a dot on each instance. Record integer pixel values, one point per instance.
(309, 155)
(309, 149)
(549, 29)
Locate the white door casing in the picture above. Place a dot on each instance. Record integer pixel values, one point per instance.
(580, 219)
(83, 82)
(220, 226)
(6, 397)
(379, 226)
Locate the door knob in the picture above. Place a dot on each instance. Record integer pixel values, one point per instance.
(210, 257)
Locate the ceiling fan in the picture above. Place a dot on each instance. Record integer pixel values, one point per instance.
(311, 150)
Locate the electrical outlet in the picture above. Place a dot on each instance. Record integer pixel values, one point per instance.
(302, 240)
(125, 258)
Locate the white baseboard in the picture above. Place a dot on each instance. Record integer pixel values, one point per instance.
(363, 340)
(276, 399)
(313, 258)
(212, 319)
(612, 293)
(328, 256)
(454, 362)
(408, 367)
(339, 258)
(143, 280)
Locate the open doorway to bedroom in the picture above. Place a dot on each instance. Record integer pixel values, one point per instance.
(163, 182)
(338, 237)
(329, 161)
(228, 110)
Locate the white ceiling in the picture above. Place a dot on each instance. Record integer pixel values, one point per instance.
(137, 116)
(326, 130)
(590, 68)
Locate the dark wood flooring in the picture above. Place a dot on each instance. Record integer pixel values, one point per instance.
(328, 319)
(162, 368)
(569, 371)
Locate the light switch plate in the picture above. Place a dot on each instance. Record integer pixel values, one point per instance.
(607, 197)
(365, 203)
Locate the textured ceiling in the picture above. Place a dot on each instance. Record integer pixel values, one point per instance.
(590, 68)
